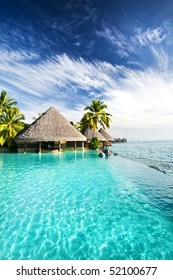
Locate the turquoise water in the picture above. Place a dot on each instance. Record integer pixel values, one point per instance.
(80, 206)
(158, 155)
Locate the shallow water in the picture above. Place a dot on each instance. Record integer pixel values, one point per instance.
(158, 155)
(80, 206)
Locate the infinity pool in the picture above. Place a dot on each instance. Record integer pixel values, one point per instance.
(79, 206)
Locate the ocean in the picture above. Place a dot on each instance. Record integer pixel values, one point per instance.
(157, 155)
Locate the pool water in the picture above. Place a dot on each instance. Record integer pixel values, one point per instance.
(78, 206)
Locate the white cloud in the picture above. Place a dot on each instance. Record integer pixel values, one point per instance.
(143, 103)
(154, 46)
(149, 36)
(140, 101)
(161, 57)
(122, 44)
(16, 56)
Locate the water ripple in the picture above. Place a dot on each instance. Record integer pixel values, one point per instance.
(84, 207)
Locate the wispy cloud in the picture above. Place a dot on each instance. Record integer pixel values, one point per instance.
(149, 36)
(137, 99)
(154, 43)
(140, 46)
(118, 40)
(161, 58)
(7, 56)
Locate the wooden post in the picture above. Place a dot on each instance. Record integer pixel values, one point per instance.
(25, 147)
(39, 147)
(83, 146)
(59, 146)
(74, 146)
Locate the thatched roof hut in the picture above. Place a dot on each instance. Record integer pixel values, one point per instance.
(50, 126)
(90, 133)
(106, 135)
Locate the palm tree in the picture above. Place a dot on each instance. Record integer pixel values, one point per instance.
(76, 125)
(6, 102)
(39, 115)
(96, 116)
(11, 124)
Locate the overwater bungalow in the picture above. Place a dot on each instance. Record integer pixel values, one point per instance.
(107, 136)
(90, 133)
(51, 131)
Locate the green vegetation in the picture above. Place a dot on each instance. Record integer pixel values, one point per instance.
(6, 103)
(11, 120)
(76, 125)
(94, 143)
(96, 116)
(39, 115)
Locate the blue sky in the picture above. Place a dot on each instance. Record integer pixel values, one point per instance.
(66, 53)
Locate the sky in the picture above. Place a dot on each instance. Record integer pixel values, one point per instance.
(66, 53)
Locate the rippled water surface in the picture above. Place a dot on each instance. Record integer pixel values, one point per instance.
(158, 155)
(80, 206)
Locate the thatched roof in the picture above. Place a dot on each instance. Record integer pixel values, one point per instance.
(50, 126)
(90, 133)
(108, 137)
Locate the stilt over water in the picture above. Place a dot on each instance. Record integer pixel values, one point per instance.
(39, 147)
